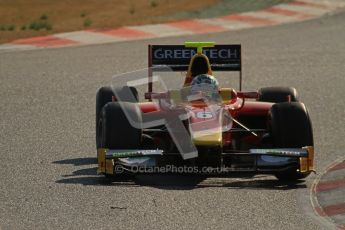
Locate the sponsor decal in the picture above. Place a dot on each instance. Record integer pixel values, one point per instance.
(221, 57)
(281, 152)
(133, 153)
(186, 53)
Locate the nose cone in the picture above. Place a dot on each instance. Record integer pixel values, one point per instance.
(206, 127)
(207, 138)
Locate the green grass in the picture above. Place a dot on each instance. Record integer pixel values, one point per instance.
(11, 27)
(44, 17)
(154, 4)
(87, 22)
(7, 27)
(40, 25)
(132, 9)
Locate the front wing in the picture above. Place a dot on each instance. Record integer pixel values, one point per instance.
(264, 161)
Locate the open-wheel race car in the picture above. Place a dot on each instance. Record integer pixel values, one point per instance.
(202, 127)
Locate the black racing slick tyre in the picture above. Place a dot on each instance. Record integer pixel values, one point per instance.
(290, 127)
(116, 130)
(104, 95)
(277, 94)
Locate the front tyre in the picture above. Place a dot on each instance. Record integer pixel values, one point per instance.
(119, 125)
(105, 95)
(290, 127)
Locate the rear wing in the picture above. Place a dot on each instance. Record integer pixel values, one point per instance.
(177, 58)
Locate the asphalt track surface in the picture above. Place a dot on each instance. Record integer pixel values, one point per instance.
(47, 160)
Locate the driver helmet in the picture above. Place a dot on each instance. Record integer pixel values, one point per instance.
(207, 84)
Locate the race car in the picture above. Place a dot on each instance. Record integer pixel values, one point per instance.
(202, 125)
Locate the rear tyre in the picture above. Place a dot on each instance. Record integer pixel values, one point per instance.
(277, 94)
(116, 131)
(290, 127)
